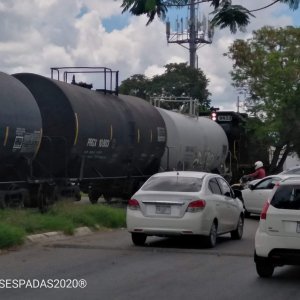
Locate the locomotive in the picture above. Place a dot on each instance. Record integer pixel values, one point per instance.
(59, 138)
(244, 149)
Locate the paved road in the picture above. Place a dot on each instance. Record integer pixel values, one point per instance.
(164, 269)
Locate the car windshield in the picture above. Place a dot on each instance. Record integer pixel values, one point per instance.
(287, 197)
(173, 184)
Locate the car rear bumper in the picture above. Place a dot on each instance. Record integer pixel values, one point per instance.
(279, 257)
(278, 249)
(189, 224)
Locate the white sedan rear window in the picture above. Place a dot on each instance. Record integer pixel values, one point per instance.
(173, 184)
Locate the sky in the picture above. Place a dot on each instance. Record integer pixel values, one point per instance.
(36, 35)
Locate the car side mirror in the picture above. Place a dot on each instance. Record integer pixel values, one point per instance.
(228, 194)
(251, 186)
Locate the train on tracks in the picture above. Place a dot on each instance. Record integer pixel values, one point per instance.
(61, 139)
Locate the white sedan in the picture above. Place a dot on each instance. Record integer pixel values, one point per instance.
(185, 203)
(259, 191)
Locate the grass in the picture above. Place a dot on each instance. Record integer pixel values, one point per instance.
(63, 216)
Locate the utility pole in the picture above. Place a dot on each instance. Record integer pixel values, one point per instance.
(195, 33)
(192, 39)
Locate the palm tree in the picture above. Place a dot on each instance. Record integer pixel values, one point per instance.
(225, 13)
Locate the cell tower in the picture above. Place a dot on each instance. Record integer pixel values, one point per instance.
(194, 31)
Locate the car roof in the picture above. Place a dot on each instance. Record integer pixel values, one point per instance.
(283, 176)
(290, 169)
(291, 180)
(184, 174)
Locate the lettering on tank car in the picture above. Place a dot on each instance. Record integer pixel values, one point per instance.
(104, 143)
(20, 131)
(18, 143)
(161, 134)
(101, 143)
(19, 139)
(92, 142)
(30, 142)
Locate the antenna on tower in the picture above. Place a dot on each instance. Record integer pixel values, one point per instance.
(195, 34)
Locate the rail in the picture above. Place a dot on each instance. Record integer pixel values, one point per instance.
(110, 78)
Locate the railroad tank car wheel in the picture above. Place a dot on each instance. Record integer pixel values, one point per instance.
(19, 202)
(47, 195)
(15, 196)
(26, 198)
(55, 194)
(77, 196)
(2, 202)
(43, 202)
(107, 198)
(94, 196)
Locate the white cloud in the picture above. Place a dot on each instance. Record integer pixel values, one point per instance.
(154, 70)
(37, 34)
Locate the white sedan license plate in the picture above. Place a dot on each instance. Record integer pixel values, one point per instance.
(298, 227)
(163, 209)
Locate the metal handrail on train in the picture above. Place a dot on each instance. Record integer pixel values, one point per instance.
(107, 76)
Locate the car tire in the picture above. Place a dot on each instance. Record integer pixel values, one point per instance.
(211, 240)
(264, 268)
(238, 232)
(138, 239)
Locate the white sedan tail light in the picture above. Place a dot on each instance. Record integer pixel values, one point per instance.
(196, 206)
(133, 204)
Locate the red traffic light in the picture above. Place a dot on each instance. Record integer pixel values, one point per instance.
(213, 116)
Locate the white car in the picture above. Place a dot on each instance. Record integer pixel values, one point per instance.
(277, 240)
(185, 203)
(258, 192)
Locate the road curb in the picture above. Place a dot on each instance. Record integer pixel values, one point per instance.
(56, 235)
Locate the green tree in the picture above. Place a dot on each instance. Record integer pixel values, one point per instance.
(267, 68)
(178, 80)
(225, 13)
(135, 85)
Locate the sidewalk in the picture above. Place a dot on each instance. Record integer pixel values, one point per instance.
(56, 235)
